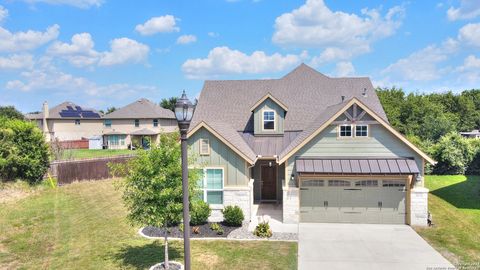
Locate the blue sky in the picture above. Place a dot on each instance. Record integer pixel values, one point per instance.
(103, 53)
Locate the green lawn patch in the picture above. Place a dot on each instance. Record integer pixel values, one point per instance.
(94, 153)
(454, 202)
(83, 226)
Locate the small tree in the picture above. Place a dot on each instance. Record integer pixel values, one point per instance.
(153, 186)
(453, 154)
(168, 103)
(10, 112)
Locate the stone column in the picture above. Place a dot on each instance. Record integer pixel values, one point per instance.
(291, 204)
(418, 206)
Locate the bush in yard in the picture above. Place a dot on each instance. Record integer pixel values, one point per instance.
(453, 154)
(199, 212)
(263, 230)
(24, 154)
(152, 190)
(233, 215)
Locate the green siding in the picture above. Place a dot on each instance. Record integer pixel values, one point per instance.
(380, 143)
(268, 104)
(236, 171)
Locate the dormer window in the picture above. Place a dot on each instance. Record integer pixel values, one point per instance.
(269, 120)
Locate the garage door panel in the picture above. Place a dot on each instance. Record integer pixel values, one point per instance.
(353, 201)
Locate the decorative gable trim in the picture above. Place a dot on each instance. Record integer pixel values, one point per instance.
(222, 139)
(371, 113)
(269, 96)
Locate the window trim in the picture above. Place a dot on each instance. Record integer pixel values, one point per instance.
(135, 121)
(204, 187)
(274, 120)
(368, 131)
(157, 122)
(208, 149)
(105, 123)
(340, 131)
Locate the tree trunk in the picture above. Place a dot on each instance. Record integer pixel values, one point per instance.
(166, 264)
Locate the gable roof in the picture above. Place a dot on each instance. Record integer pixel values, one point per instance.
(141, 109)
(330, 115)
(313, 99)
(304, 91)
(269, 96)
(56, 112)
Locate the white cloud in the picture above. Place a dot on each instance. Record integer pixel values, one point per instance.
(47, 77)
(470, 70)
(79, 53)
(29, 40)
(341, 35)
(124, 50)
(3, 13)
(468, 9)
(185, 39)
(16, 61)
(213, 34)
(162, 24)
(470, 34)
(74, 3)
(223, 60)
(423, 65)
(344, 69)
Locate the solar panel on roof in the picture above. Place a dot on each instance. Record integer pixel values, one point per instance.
(70, 108)
(69, 114)
(78, 112)
(90, 114)
(78, 108)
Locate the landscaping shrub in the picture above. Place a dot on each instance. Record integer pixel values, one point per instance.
(24, 154)
(199, 212)
(453, 154)
(233, 215)
(263, 230)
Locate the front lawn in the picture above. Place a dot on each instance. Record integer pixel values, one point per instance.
(83, 226)
(94, 153)
(454, 202)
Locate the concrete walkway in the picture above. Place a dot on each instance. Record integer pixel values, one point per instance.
(365, 246)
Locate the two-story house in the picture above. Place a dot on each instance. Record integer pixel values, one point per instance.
(137, 125)
(320, 148)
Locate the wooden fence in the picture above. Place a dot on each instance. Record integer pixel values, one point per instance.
(69, 171)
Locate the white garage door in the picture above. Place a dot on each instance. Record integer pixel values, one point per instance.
(353, 201)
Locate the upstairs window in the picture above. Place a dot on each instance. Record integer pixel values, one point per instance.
(108, 123)
(77, 122)
(361, 131)
(268, 120)
(155, 122)
(204, 147)
(137, 123)
(345, 131)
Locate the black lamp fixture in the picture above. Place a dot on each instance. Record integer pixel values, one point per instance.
(184, 112)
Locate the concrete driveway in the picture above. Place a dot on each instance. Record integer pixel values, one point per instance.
(365, 246)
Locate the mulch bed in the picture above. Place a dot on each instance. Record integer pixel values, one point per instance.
(174, 231)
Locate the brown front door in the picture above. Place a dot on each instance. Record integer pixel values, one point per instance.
(269, 182)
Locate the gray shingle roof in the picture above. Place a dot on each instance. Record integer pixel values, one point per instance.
(141, 109)
(311, 97)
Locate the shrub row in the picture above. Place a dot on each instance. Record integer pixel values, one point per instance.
(200, 211)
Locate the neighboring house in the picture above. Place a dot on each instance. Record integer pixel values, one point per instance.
(68, 122)
(472, 134)
(322, 148)
(137, 124)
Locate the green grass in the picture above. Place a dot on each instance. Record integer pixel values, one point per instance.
(83, 226)
(94, 153)
(454, 202)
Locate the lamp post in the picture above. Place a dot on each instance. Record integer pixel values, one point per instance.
(184, 113)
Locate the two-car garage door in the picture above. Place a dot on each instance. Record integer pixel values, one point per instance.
(353, 201)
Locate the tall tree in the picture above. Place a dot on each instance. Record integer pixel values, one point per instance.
(152, 189)
(11, 113)
(168, 103)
